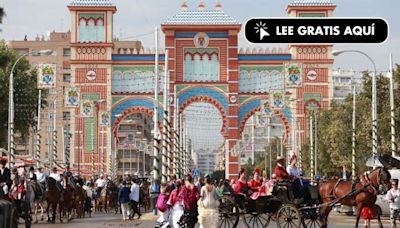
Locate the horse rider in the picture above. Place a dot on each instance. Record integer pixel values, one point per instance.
(41, 178)
(100, 184)
(70, 179)
(57, 177)
(5, 178)
(31, 175)
(78, 179)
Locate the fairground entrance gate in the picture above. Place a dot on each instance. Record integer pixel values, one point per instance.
(205, 65)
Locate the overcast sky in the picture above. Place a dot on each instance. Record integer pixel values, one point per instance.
(137, 17)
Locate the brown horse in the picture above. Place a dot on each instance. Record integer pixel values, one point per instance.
(68, 198)
(79, 201)
(53, 198)
(364, 192)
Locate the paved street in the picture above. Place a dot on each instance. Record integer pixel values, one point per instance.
(148, 220)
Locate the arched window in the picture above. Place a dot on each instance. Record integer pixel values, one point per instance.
(138, 82)
(100, 30)
(205, 69)
(264, 81)
(116, 82)
(203, 66)
(214, 71)
(197, 67)
(254, 77)
(91, 30)
(127, 81)
(82, 36)
(242, 87)
(188, 68)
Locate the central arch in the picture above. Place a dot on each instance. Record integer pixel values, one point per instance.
(209, 100)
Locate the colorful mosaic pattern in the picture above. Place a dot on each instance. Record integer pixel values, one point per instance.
(261, 79)
(90, 125)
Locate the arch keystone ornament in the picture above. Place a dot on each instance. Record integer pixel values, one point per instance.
(201, 40)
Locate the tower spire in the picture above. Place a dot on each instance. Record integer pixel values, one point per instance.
(184, 6)
(201, 5)
(218, 5)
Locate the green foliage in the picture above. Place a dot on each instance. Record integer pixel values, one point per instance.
(263, 160)
(335, 128)
(25, 94)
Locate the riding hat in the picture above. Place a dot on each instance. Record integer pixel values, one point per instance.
(280, 158)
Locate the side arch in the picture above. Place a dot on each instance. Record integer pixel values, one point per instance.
(252, 107)
(129, 111)
(128, 103)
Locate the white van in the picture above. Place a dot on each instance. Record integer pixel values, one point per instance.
(381, 202)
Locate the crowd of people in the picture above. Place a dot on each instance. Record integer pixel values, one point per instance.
(13, 183)
(183, 203)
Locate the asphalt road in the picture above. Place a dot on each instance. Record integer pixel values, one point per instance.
(148, 220)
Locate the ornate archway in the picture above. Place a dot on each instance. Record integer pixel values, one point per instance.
(206, 99)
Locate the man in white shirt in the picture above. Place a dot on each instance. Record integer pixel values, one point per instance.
(56, 176)
(393, 198)
(100, 184)
(134, 197)
(40, 175)
(88, 190)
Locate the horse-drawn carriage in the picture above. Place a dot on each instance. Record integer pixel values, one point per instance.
(283, 207)
(307, 206)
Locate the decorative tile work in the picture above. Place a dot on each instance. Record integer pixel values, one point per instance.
(261, 79)
(89, 123)
(205, 17)
(130, 103)
(203, 91)
(248, 107)
(91, 3)
(311, 3)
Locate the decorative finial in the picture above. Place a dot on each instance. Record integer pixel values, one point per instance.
(218, 5)
(184, 6)
(201, 5)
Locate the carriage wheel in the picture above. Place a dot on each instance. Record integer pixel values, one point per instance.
(257, 220)
(288, 217)
(228, 213)
(311, 223)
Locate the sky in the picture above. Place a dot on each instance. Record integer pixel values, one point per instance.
(136, 19)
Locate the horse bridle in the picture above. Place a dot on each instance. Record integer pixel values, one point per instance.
(379, 181)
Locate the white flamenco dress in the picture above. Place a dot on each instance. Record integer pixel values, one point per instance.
(208, 208)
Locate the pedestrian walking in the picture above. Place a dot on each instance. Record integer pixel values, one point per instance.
(189, 194)
(134, 197)
(208, 205)
(123, 198)
(154, 193)
(367, 214)
(393, 198)
(176, 205)
(162, 207)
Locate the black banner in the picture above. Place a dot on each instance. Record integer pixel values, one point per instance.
(316, 30)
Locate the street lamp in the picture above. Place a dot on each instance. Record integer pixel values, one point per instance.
(11, 110)
(373, 106)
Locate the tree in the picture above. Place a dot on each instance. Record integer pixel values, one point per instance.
(335, 129)
(25, 94)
